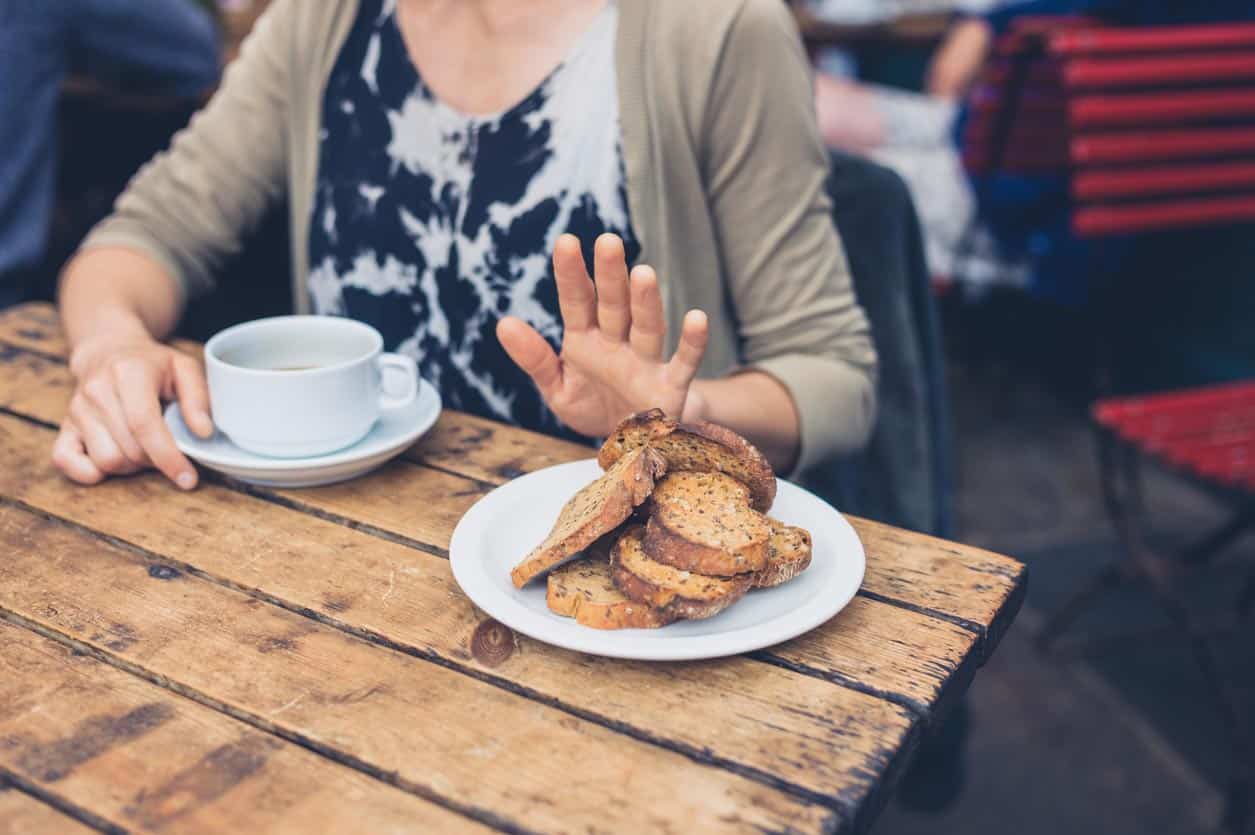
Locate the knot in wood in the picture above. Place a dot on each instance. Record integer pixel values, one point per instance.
(162, 572)
(492, 643)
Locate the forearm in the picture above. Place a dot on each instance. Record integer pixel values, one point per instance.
(116, 295)
(757, 406)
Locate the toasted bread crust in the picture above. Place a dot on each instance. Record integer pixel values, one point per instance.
(594, 511)
(788, 555)
(584, 591)
(635, 431)
(696, 447)
(703, 522)
(678, 594)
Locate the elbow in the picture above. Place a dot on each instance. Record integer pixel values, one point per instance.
(835, 402)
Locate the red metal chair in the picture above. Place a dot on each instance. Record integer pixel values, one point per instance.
(1155, 128)
(1207, 435)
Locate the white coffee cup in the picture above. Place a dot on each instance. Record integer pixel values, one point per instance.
(300, 386)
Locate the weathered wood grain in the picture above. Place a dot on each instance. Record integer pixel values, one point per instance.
(34, 385)
(914, 655)
(36, 327)
(411, 599)
(439, 731)
(492, 452)
(146, 760)
(879, 648)
(33, 326)
(904, 656)
(980, 590)
(21, 814)
(890, 643)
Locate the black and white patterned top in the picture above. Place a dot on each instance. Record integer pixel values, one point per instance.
(431, 224)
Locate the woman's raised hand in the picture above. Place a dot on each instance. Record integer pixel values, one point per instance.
(611, 363)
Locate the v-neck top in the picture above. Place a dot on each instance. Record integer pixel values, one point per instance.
(432, 224)
(727, 180)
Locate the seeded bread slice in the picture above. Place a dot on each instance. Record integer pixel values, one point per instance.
(788, 555)
(675, 593)
(595, 510)
(584, 590)
(703, 522)
(698, 447)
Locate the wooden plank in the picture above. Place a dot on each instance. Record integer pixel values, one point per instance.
(140, 758)
(21, 814)
(835, 742)
(907, 657)
(439, 731)
(883, 649)
(913, 660)
(980, 590)
(35, 327)
(491, 452)
(977, 588)
(34, 385)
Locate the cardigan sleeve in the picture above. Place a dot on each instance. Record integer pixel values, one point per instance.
(766, 170)
(190, 207)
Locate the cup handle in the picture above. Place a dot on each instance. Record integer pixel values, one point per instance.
(406, 365)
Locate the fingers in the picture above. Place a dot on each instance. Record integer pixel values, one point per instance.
(102, 404)
(193, 394)
(688, 355)
(95, 436)
(649, 330)
(139, 390)
(533, 354)
(576, 297)
(614, 315)
(70, 457)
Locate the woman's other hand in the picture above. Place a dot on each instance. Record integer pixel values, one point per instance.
(960, 58)
(611, 363)
(114, 425)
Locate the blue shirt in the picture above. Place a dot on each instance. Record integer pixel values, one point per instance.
(170, 45)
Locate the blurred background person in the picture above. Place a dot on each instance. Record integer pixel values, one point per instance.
(169, 47)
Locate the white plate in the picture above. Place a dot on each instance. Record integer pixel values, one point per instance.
(507, 523)
(391, 435)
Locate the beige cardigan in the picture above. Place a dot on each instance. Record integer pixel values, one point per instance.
(725, 182)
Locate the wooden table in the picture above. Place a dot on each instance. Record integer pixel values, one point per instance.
(244, 660)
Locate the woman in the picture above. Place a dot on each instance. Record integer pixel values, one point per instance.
(433, 153)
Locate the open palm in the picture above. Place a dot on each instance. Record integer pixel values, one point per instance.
(612, 362)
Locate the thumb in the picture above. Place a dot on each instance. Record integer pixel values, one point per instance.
(532, 353)
(193, 394)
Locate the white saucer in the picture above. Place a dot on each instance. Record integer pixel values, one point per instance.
(391, 435)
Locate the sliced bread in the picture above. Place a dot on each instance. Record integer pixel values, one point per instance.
(788, 555)
(584, 590)
(703, 522)
(675, 593)
(697, 447)
(594, 511)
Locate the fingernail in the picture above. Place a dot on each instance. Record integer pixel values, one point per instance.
(186, 480)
